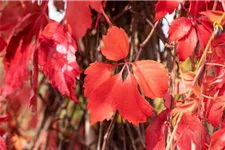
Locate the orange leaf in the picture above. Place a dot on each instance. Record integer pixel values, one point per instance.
(97, 73)
(114, 94)
(78, 16)
(186, 45)
(116, 44)
(163, 7)
(191, 133)
(152, 77)
(217, 141)
(56, 58)
(214, 16)
(186, 107)
(179, 28)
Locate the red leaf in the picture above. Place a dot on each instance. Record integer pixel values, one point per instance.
(167, 100)
(204, 31)
(114, 94)
(217, 141)
(186, 45)
(78, 16)
(4, 118)
(191, 134)
(18, 54)
(9, 19)
(96, 5)
(57, 59)
(2, 43)
(116, 44)
(164, 7)
(218, 45)
(185, 83)
(214, 112)
(197, 6)
(2, 144)
(186, 107)
(179, 28)
(152, 77)
(214, 16)
(154, 130)
(97, 73)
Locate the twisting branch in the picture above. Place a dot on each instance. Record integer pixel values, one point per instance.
(100, 136)
(142, 45)
(108, 132)
(131, 136)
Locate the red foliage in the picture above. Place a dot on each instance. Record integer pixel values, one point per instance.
(109, 93)
(56, 58)
(35, 47)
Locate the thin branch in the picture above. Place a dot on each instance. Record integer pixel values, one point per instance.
(100, 136)
(142, 45)
(174, 131)
(108, 132)
(141, 138)
(131, 135)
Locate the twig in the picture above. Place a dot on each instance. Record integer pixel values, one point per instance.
(108, 132)
(106, 17)
(127, 7)
(100, 136)
(146, 40)
(140, 137)
(123, 135)
(131, 136)
(174, 131)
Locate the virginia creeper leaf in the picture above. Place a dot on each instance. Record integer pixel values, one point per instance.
(217, 141)
(2, 43)
(116, 44)
(154, 130)
(152, 77)
(96, 5)
(57, 59)
(186, 45)
(18, 53)
(191, 133)
(97, 73)
(114, 94)
(179, 28)
(78, 16)
(186, 107)
(196, 7)
(9, 19)
(214, 16)
(204, 31)
(163, 7)
(214, 112)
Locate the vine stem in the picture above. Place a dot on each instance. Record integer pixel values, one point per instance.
(106, 17)
(146, 40)
(198, 71)
(108, 132)
(131, 136)
(100, 136)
